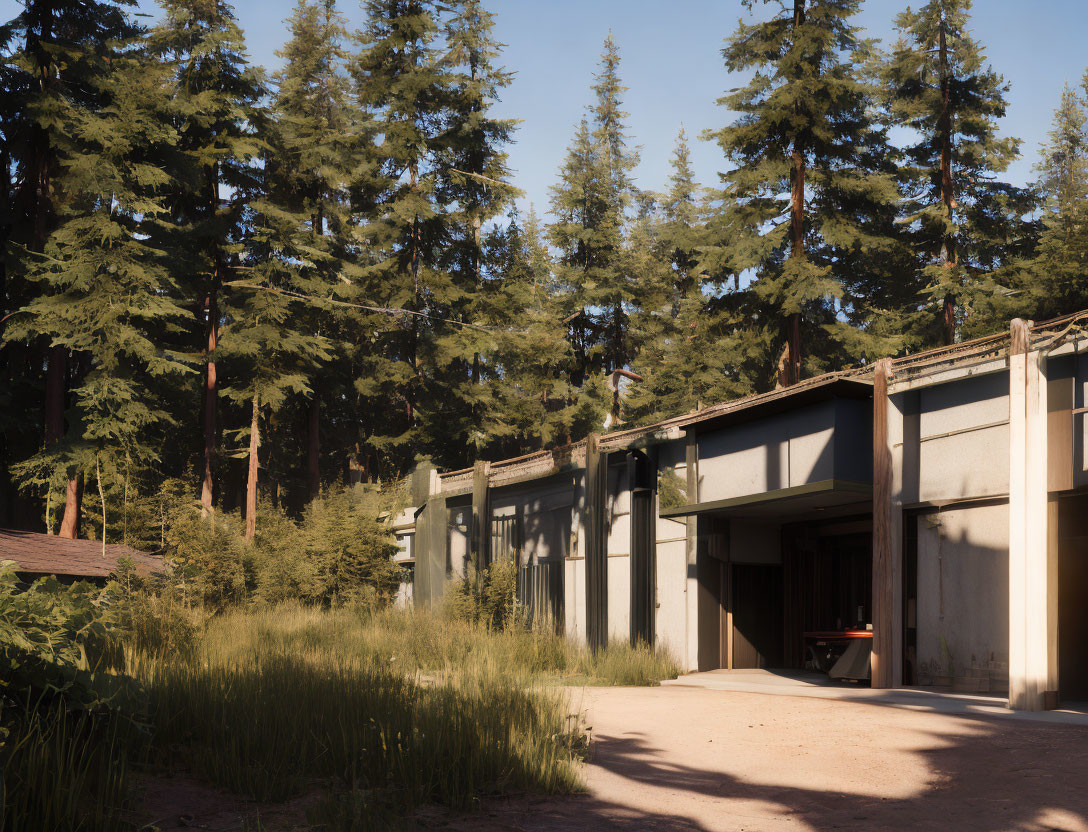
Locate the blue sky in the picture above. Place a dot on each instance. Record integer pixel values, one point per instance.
(672, 66)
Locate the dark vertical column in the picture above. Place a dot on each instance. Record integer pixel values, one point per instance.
(480, 540)
(596, 545)
(691, 461)
(432, 536)
(883, 595)
(642, 476)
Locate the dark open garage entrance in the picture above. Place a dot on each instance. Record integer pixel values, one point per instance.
(785, 579)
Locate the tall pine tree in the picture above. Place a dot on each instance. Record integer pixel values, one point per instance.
(472, 190)
(808, 173)
(107, 292)
(401, 86)
(54, 58)
(313, 155)
(694, 351)
(1058, 277)
(591, 203)
(964, 223)
(532, 401)
(216, 97)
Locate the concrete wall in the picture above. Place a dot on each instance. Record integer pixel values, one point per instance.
(574, 573)
(963, 596)
(823, 441)
(619, 598)
(974, 461)
(619, 552)
(545, 508)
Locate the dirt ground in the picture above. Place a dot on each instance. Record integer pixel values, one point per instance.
(688, 758)
(695, 759)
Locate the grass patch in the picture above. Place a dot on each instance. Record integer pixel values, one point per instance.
(428, 644)
(267, 728)
(65, 771)
(380, 711)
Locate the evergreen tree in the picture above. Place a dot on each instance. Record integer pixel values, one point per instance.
(1057, 282)
(692, 353)
(533, 402)
(401, 87)
(809, 174)
(107, 293)
(590, 203)
(963, 222)
(55, 54)
(472, 189)
(215, 95)
(313, 156)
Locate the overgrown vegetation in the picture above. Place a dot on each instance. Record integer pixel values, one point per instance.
(381, 709)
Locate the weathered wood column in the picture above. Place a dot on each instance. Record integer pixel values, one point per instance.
(887, 657)
(691, 467)
(596, 544)
(1029, 570)
(431, 538)
(480, 539)
(642, 480)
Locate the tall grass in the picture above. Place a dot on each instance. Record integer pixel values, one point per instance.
(65, 771)
(428, 643)
(381, 711)
(266, 727)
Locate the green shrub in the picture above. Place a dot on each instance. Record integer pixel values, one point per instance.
(63, 723)
(151, 614)
(53, 637)
(489, 599)
(353, 551)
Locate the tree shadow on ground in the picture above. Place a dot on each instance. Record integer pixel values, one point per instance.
(995, 775)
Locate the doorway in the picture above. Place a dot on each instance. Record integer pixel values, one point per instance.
(757, 615)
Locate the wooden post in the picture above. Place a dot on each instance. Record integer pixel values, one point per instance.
(1030, 589)
(691, 459)
(480, 540)
(596, 545)
(883, 593)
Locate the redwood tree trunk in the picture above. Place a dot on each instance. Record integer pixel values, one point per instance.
(73, 508)
(251, 482)
(313, 448)
(211, 380)
(41, 203)
(211, 395)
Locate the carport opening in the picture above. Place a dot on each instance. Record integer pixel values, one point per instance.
(807, 612)
(782, 593)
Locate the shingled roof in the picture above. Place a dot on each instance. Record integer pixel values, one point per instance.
(47, 554)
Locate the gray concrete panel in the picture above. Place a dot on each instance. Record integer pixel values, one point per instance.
(963, 597)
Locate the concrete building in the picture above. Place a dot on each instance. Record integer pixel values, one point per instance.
(922, 521)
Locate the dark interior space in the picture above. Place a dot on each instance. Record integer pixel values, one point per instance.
(828, 586)
(757, 615)
(1073, 599)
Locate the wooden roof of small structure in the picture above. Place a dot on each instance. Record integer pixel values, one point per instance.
(48, 554)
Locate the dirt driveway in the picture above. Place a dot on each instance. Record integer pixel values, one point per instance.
(688, 758)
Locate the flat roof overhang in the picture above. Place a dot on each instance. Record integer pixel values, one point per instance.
(810, 498)
(778, 401)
